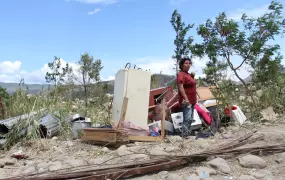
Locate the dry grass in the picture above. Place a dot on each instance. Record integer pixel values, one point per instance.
(48, 102)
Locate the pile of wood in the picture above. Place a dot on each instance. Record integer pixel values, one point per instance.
(118, 134)
(111, 136)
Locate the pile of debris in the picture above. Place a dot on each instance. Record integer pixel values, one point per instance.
(48, 127)
(146, 114)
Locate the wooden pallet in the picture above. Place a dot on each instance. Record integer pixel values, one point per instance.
(118, 134)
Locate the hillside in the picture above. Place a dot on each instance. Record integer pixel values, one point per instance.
(160, 79)
(33, 88)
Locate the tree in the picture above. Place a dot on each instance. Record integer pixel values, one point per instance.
(57, 74)
(268, 69)
(183, 45)
(89, 73)
(4, 96)
(225, 38)
(214, 71)
(3, 93)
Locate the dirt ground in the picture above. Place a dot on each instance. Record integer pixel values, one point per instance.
(46, 155)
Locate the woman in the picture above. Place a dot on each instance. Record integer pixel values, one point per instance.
(187, 94)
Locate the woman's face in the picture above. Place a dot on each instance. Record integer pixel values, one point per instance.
(186, 65)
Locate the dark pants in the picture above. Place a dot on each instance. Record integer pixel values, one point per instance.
(188, 113)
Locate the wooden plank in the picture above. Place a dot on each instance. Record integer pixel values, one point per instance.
(163, 119)
(100, 129)
(123, 112)
(99, 136)
(144, 138)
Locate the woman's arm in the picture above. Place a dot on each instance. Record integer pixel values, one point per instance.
(182, 92)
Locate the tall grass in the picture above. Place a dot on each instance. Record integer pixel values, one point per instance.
(52, 102)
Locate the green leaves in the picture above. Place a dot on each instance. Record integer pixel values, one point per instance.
(57, 74)
(250, 39)
(183, 44)
(89, 69)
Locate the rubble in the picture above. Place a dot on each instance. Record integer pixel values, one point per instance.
(269, 114)
(251, 161)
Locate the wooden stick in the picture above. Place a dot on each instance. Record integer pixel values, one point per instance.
(123, 112)
(163, 119)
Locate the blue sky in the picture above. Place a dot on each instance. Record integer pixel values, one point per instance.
(116, 31)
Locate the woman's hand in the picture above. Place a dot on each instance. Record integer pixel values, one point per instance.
(186, 101)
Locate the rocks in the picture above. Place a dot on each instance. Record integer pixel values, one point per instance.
(246, 177)
(138, 157)
(2, 164)
(261, 173)
(173, 176)
(96, 161)
(172, 149)
(75, 162)
(68, 143)
(105, 150)
(158, 151)
(202, 143)
(163, 174)
(43, 165)
(122, 151)
(251, 161)
(30, 170)
(175, 139)
(269, 114)
(220, 165)
(57, 165)
(281, 158)
(41, 170)
(193, 177)
(7, 162)
(169, 176)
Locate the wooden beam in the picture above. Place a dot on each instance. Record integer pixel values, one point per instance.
(100, 136)
(123, 112)
(163, 119)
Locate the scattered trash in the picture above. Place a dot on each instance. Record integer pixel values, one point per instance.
(77, 127)
(228, 177)
(19, 155)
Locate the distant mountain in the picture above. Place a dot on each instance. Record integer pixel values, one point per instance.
(246, 80)
(32, 88)
(161, 79)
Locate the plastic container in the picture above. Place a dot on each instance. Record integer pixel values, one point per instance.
(238, 115)
(77, 127)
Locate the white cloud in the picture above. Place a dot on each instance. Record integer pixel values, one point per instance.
(252, 12)
(10, 67)
(12, 71)
(106, 2)
(94, 12)
(166, 65)
(109, 78)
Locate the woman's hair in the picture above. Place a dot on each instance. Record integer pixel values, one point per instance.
(182, 61)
